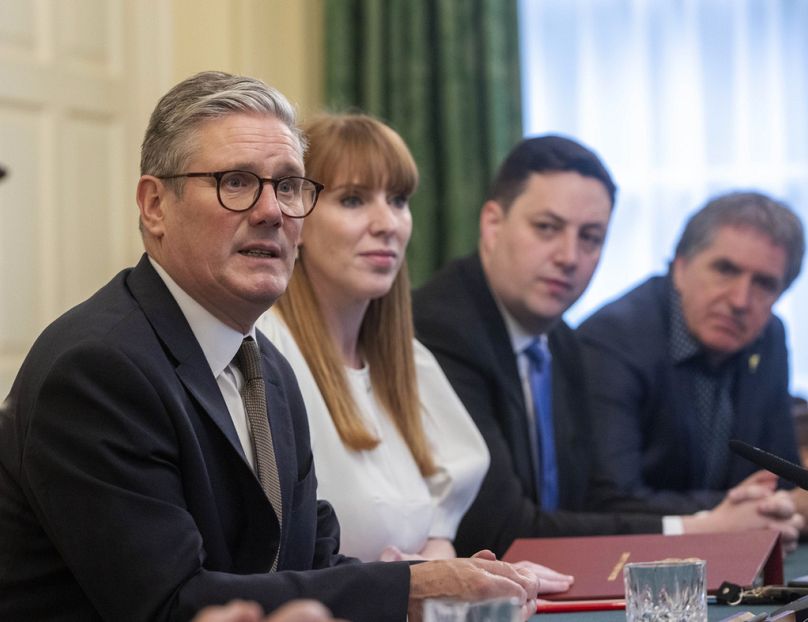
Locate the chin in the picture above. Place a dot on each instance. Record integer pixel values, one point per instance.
(723, 345)
(266, 293)
(377, 288)
(549, 310)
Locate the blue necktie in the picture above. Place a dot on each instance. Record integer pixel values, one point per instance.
(541, 388)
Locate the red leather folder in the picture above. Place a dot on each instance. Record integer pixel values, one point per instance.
(597, 562)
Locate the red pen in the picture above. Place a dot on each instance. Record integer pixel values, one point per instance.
(569, 606)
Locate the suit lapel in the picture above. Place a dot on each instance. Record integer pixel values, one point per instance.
(493, 329)
(500, 340)
(171, 327)
(748, 409)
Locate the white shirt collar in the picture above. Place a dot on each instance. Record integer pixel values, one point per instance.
(218, 341)
(520, 338)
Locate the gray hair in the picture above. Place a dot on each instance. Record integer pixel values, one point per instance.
(169, 139)
(747, 209)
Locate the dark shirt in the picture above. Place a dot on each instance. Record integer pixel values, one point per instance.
(711, 388)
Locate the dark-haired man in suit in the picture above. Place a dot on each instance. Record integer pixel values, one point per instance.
(494, 322)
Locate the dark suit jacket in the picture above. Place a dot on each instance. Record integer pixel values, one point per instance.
(456, 317)
(124, 491)
(645, 423)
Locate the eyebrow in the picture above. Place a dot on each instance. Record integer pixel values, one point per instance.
(351, 186)
(726, 262)
(285, 169)
(548, 212)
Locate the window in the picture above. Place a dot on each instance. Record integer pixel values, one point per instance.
(682, 100)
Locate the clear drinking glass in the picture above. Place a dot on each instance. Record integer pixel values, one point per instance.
(666, 591)
(499, 610)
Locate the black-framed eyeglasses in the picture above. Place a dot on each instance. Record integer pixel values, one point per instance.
(238, 191)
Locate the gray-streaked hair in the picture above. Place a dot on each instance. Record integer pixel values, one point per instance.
(169, 139)
(747, 209)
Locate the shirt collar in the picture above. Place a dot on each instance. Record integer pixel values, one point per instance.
(218, 341)
(520, 339)
(682, 344)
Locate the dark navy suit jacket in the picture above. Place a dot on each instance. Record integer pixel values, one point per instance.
(457, 318)
(643, 406)
(124, 491)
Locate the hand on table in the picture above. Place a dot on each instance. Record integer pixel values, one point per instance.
(481, 577)
(550, 581)
(752, 505)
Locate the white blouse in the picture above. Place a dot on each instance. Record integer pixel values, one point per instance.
(379, 495)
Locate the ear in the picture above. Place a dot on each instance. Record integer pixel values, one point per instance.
(491, 217)
(151, 197)
(679, 265)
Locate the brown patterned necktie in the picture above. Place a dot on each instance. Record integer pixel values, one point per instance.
(255, 403)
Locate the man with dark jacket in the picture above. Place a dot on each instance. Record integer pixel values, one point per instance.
(493, 320)
(686, 361)
(154, 449)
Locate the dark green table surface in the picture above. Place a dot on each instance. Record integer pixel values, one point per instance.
(796, 564)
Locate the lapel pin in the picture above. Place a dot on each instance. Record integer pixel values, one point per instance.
(754, 361)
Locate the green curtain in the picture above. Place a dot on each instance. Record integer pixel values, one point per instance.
(445, 75)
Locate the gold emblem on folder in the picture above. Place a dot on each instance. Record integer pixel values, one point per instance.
(618, 567)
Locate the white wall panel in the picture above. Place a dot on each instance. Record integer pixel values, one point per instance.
(21, 245)
(84, 209)
(77, 80)
(18, 29)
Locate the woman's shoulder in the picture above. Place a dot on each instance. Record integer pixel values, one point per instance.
(424, 359)
(274, 328)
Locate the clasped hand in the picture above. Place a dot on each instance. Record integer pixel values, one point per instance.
(755, 503)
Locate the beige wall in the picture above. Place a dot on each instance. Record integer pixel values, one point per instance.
(279, 41)
(78, 81)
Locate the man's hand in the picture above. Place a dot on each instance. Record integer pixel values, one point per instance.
(758, 485)
(550, 581)
(243, 611)
(750, 507)
(481, 577)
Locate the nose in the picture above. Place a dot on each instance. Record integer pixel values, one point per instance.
(566, 254)
(740, 292)
(267, 210)
(383, 219)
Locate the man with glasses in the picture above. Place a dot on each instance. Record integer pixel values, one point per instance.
(154, 448)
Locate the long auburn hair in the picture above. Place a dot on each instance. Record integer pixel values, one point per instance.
(361, 149)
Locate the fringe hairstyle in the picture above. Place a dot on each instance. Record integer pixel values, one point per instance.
(361, 149)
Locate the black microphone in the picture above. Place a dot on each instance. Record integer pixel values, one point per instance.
(777, 465)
